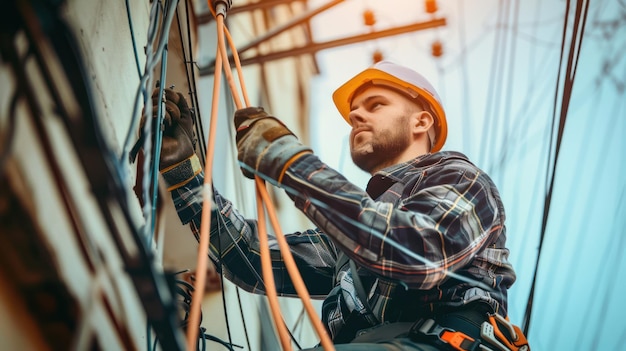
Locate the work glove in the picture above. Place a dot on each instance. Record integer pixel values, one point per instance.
(178, 163)
(264, 144)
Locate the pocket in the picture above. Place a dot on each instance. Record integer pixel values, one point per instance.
(382, 332)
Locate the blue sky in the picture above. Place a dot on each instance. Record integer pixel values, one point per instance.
(498, 81)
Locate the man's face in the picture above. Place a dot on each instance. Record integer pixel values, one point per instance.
(380, 128)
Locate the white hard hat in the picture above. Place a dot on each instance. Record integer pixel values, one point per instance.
(400, 78)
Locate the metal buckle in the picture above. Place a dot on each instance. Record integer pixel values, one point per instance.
(457, 340)
(490, 331)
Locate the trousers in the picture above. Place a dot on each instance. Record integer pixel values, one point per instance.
(395, 344)
(386, 337)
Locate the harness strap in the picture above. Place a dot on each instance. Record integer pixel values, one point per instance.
(360, 291)
(470, 330)
(429, 330)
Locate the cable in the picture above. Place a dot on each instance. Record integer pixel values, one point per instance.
(292, 268)
(495, 84)
(154, 174)
(219, 258)
(268, 276)
(528, 312)
(379, 235)
(205, 223)
(204, 232)
(287, 257)
(243, 319)
(132, 37)
(9, 135)
(152, 59)
(522, 115)
(191, 81)
(505, 148)
(262, 195)
(223, 227)
(184, 290)
(145, 80)
(570, 74)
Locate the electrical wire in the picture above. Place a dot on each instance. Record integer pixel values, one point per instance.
(154, 173)
(520, 136)
(495, 85)
(223, 228)
(9, 134)
(505, 149)
(152, 59)
(570, 74)
(528, 312)
(243, 319)
(151, 161)
(292, 268)
(205, 223)
(290, 264)
(144, 82)
(184, 290)
(220, 228)
(190, 66)
(261, 191)
(379, 235)
(132, 37)
(246, 335)
(268, 276)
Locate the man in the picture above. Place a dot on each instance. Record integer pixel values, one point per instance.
(416, 262)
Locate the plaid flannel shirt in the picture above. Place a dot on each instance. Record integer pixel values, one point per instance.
(417, 224)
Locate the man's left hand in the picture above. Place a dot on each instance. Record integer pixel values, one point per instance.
(265, 144)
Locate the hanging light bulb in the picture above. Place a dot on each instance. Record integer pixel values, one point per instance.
(437, 48)
(377, 56)
(368, 18)
(431, 6)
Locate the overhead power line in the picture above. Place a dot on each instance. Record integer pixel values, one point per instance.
(580, 18)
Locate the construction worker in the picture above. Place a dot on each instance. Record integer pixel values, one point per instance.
(417, 261)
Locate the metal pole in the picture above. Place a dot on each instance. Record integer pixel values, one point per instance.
(313, 48)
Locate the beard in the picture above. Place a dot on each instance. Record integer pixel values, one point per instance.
(382, 149)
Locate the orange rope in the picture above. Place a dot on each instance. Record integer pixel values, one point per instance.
(268, 274)
(262, 197)
(221, 46)
(266, 262)
(205, 224)
(238, 65)
(292, 268)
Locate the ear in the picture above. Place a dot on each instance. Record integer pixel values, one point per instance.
(421, 122)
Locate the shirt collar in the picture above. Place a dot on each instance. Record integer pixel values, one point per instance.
(386, 177)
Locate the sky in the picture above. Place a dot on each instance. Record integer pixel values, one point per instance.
(502, 79)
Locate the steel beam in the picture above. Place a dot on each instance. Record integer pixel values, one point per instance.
(315, 47)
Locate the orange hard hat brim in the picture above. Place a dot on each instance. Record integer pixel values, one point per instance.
(342, 97)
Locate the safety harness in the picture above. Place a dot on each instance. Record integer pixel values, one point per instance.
(474, 326)
(461, 331)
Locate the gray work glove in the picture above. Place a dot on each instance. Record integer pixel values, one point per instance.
(265, 144)
(178, 163)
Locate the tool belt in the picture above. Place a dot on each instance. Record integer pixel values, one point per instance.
(470, 329)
